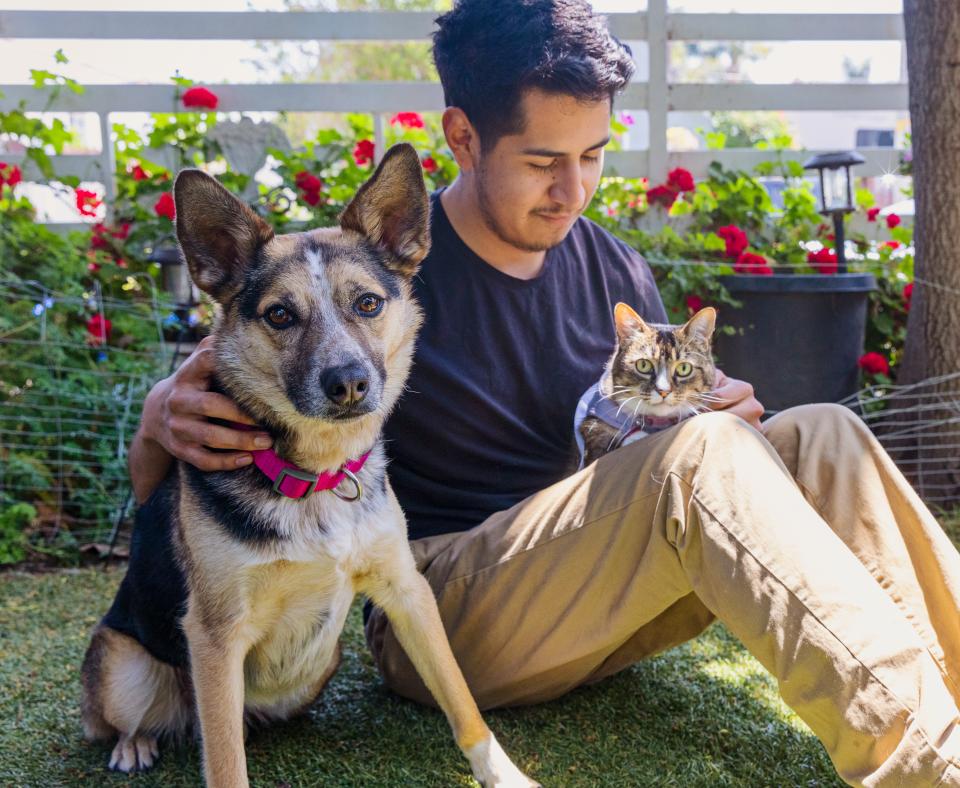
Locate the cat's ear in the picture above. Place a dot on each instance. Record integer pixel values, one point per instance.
(628, 321)
(701, 325)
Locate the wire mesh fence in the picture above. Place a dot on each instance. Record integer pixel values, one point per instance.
(70, 402)
(919, 426)
(74, 370)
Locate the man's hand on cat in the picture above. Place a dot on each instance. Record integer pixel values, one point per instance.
(736, 397)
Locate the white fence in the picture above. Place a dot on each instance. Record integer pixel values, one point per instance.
(657, 95)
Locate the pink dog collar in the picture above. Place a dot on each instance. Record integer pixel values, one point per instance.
(292, 481)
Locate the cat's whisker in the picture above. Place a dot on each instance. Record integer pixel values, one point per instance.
(624, 403)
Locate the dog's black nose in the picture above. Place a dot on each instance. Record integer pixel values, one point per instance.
(345, 385)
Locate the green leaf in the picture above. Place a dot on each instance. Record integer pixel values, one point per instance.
(864, 199)
(60, 57)
(794, 169)
(714, 243)
(41, 77)
(716, 140)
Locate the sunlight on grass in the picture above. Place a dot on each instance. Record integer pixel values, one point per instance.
(704, 714)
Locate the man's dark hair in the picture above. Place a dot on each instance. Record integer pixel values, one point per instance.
(488, 52)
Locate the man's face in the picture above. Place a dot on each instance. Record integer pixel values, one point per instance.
(533, 185)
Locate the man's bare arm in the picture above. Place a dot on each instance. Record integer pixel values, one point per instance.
(175, 424)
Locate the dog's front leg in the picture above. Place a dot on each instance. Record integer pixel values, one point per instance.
(216, 664)
(407, 599)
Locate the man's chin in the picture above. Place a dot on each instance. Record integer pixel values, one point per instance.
(547, 237)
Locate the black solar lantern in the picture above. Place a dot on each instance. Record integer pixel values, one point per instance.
(836, 192)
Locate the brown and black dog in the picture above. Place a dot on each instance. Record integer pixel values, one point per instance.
(239, 583)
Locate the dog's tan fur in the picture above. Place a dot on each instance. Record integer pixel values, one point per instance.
(263, 616)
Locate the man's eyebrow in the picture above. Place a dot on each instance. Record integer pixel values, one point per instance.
(546, 153)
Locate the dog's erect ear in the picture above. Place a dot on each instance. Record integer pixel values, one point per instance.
(393, 211)
(218, 233)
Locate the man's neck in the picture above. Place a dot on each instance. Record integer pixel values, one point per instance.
(463, 210)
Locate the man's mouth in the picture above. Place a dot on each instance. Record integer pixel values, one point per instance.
(558, 218)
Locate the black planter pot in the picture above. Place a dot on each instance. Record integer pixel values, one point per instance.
(798, 336)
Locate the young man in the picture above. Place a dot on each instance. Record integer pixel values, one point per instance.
(804, 539)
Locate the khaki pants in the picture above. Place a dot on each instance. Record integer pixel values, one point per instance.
(805, 541)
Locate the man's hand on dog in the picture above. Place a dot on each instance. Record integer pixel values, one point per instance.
(176, 415)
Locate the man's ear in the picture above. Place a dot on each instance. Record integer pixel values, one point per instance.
(219, 234)
(628, 321)
(392, 210)
(462, 138)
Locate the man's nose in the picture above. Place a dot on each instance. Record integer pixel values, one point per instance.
(567, 187)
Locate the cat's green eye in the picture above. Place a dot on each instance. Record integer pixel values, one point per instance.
(644, 366)
(683, 369)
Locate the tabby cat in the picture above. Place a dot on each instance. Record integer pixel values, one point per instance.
(657, 376)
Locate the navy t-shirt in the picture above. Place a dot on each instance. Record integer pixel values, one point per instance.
(500, 364)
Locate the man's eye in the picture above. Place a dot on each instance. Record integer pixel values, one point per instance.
(368, 305)
(279, 316)
(591, 159)
(543, 167)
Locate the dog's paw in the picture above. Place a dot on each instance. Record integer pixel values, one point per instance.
(134, 753)
(493, 768)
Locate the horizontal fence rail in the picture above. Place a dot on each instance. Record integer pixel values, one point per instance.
(657, 96)
(412, 25)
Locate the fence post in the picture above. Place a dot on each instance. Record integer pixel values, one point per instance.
(657, 90)
(379, 137)
(107, 164)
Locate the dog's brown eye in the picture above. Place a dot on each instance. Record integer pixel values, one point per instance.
(368, 305)
(279, 316)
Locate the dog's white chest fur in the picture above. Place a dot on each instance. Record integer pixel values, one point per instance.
(298, 592)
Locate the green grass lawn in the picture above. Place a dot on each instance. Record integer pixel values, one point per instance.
(705, 714)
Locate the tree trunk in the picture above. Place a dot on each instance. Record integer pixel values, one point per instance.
(933, 329)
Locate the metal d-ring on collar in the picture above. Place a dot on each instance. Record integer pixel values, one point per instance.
(358, 488)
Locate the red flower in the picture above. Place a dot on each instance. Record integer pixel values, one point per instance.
(88, 202)
(681, 180)
(200, 97)
(429, 165)
(98, 330)
(309, 185)
(907, 296)
(694, 303)
(891, 244)
(165, 206)
(823, 261)
(97, 240)
(661, 195)
(892, 220)
(874, 364)
(409, 120)
(872, 214)
(10, 174)
(735, 239)
(363, 152)
(750, 263)
(138, 173)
